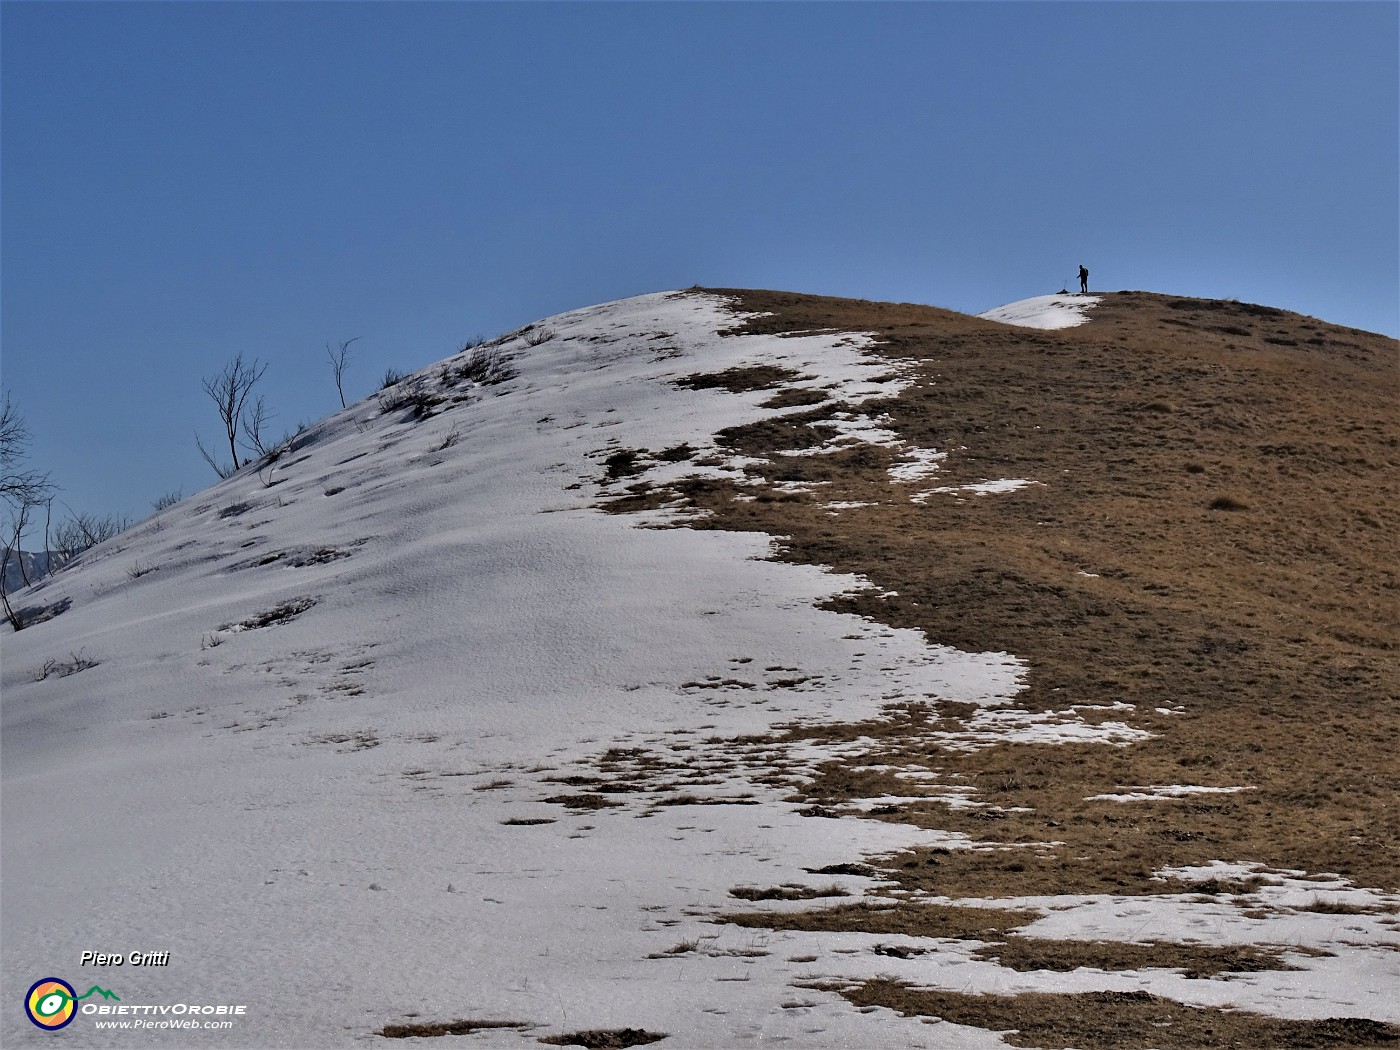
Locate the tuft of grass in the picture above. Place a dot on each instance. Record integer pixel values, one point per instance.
(1323, 906)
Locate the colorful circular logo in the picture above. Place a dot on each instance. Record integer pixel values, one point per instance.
(50, 1003)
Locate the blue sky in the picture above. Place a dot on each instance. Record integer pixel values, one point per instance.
(183, 182)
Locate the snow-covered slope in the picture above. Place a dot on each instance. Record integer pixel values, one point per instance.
(326, 817)
(403, 727)
(1044, 311)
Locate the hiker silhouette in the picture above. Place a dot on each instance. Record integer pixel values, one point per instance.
(1083, 280)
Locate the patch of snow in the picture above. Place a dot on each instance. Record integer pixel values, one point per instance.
(1158, 792)
(1045, 311)
(978, 488)
(917, 464)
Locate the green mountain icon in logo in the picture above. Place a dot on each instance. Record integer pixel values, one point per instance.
(105, 993)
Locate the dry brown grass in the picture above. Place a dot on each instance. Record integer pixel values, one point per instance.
(914, 920)
(1195, 961)
(1270, 628)
(1211, 542)
(1118, 1020)
(415, 1030)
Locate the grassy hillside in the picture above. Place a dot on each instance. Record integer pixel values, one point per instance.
(1205, 552)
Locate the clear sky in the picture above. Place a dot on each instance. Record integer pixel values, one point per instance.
(185, 181)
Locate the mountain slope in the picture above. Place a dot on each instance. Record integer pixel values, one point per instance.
(403, 729)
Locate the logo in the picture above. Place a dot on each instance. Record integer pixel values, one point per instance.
(52, 1003)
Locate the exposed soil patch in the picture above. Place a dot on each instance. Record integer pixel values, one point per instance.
(605, 1039)
(624, 463)
(434, 1028)
(1118, 1020)
(787, 892)
(1194, 960)
(32, 614)
(285, 612)
(582, 802)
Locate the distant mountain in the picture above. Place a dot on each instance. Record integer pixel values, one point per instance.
(23, 564)
(744, 667)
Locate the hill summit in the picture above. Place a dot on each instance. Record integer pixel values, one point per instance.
(726, 666)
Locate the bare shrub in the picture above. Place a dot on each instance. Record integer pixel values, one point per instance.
(83, 531)
(485, 366)
(535, 336)
(168, 500)
(54, 668)
(230, 390)
(413, 394)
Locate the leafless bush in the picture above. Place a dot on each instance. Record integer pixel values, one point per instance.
(54, 668)
(485, 366)
(392, 376)
(413, 394)
(535, 336)
(83, 531)
(168, 500)
(230, 390)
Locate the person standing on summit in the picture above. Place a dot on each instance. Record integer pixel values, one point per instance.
(1083, 281)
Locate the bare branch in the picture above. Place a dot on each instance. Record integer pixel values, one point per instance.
(254, 419)
(221, 469)
(19, 486)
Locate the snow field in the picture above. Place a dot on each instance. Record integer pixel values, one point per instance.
(1045, 311)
